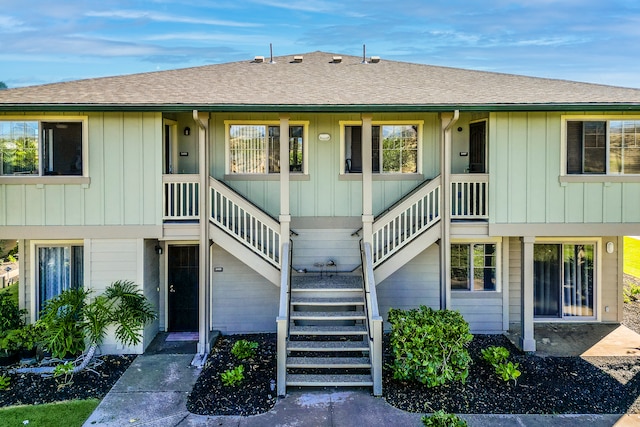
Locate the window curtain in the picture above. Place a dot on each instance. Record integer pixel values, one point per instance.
(578, 280)
(546, 273)
(60, 268)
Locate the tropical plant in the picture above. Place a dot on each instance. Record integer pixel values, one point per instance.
(631, 293)
(72, 321)
(244, 349)
(64, 370)
(5, 382)
(429, 346)
(508, 371)
(233, 376)
(11, 316)
(495, 355)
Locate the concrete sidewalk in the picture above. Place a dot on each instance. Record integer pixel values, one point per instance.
(154, 391)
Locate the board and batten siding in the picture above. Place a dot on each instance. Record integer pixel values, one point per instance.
(124, 166)
(482, 310)
(242, 300)
(322, 192)
(525, 155)
(312, 246)
(416, 283)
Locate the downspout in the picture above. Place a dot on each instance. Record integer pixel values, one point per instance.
(445, 239)
(204, 252)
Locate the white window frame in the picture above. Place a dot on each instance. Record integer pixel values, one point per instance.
(33, 270)
(597, 265)
(603, 177)
(267, 123)
(343, 145)
(53, 179)
(498, 267)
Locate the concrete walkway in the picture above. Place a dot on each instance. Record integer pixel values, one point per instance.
(154, 390)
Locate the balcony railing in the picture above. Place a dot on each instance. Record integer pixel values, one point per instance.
(180, 197)
(470, 196)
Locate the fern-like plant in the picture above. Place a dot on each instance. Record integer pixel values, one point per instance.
(244, 349)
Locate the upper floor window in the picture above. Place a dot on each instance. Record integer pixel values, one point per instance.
(603, 147)
(255, 148)
(394, 148)
(32, 147)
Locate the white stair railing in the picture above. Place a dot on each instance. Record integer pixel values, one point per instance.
(282, 321)
(470, 196)
(374, 320)
(180, 197)
(406, 221)
(245, 222)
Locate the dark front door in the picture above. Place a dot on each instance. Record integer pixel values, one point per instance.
(477, 147)
(183, 288)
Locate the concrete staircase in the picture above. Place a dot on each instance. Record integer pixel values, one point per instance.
(328, 337)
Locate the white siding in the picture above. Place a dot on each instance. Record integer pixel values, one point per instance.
(243, 301)
(482, 310)
(416, 283)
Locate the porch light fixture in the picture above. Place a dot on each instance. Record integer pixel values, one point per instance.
(324, 137)
(187, 131)
(158, 249)
(610, 247)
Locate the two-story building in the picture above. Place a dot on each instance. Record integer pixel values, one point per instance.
(504, 197)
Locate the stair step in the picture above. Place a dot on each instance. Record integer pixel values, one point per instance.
(328, 362)
(327, 346)
(328, 330)
(326, 301)
(303, 380)
(327, 315)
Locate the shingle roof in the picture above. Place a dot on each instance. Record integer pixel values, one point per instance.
(318, 83)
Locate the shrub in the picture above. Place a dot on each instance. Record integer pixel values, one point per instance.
(443, 419)
(495, 355)
(233, 376)
(61, 323)
(11, 317)
(24, 338)
(508, 371)
(244, 349)
(429, 346)
(64, 370)
(631, 293)
(5, 382)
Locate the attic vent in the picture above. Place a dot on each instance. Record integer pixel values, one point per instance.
(297, 58)
(258, 59)
(337, 59)
(375, 59)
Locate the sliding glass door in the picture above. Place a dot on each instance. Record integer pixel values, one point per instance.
(564, 281)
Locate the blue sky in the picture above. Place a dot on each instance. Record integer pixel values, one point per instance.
(44, 41)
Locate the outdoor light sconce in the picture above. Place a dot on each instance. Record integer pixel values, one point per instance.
(187, 131)
(158, 249)
(609, 247)
(324, 137)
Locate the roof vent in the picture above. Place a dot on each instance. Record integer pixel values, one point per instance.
(337, 59)
(258, 59)
(297, 58)
(374, 59)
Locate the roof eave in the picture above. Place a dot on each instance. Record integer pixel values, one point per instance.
(319, 108)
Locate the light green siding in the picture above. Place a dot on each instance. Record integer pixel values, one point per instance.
(323, 192)
(124, 165)
(525, 166)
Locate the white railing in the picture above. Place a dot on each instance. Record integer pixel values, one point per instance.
(406, 221)
(245, 222)
(282, 321)
(470, 196)
(180, 197)
(374, 320)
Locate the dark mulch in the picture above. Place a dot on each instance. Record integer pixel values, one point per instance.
(252, 396)
(33, 389)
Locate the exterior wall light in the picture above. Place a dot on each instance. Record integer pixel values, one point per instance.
(324, 137)
(187, 131)
(610, 247)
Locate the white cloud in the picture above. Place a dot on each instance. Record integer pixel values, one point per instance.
(9, 24)
(161, 17)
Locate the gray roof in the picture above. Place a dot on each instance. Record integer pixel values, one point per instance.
(319, 84)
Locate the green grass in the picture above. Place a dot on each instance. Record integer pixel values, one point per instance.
(69, 414)
(13, 290)
(632, 256)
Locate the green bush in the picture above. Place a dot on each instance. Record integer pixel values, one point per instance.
(495, 355)
(443, 419)
(631, 293)
(11, 317)
(244, 349)
(429, 346)
(232, 377)
(61, 323)
(508, 371)
(24, 338)
(5, 382)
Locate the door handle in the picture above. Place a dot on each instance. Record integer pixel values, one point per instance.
(172, 289)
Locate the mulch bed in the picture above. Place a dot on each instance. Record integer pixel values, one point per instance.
(33, 389)
(253, 395)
